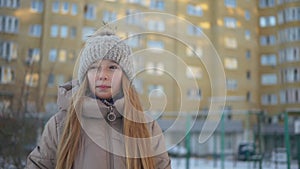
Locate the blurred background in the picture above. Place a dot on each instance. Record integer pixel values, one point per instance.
(258, 42)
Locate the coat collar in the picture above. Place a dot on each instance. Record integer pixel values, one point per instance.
(91, 106)
(94, 108)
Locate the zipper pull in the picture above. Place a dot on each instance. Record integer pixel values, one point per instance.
(111, 116)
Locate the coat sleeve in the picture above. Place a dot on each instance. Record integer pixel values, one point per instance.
(44, 154)
(162, 160)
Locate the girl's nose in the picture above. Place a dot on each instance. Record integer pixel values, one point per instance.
(102, 75)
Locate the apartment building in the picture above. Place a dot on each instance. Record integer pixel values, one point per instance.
(279, 36)
(50, 33)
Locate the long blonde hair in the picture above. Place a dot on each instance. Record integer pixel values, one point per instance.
(135, 151)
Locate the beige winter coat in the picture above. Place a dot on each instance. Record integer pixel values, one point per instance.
(102, 141)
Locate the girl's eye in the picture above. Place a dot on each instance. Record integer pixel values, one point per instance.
(93, 68)
(113, 67)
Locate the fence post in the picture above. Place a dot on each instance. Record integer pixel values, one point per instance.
(188, 140)
(287, 138)
(222, 142)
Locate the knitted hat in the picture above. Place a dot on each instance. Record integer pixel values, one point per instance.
(105, 44)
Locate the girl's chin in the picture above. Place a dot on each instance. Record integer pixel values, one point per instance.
(104, 96)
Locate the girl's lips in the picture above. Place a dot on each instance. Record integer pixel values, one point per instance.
(103, 87)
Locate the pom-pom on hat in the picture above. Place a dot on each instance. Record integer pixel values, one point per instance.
(105, 44)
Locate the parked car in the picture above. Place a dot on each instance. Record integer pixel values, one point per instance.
(246, 151)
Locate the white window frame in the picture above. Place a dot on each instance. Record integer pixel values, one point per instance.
(230, 3)
(64, 31)
(35, 30)
(74, 9)
(6, 74)
(8, 50)
(90, 13)
(269, 79)
(54, 31)
(55, 6)
(37, 6)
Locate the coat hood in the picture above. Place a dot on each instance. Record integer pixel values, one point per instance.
(64, 95)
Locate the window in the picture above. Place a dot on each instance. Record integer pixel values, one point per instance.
(248, 54)
(193, 72)
(230, 43)
(268, 60)
(267, 40)
(109, 16)
(228, 114)
(291, 95)
(156, 25)
(266, 3)
(290, 14)
(7, 74)
(65, 7)
(194, 10)
(64, 31)
(71, 55)
(153, 44)
(33, 56)
(290, 34)
(247, 15)
(155, 90)
(37, 6)
(194, 30)
(248, 75)
(269, 79)
(52, 55)
(269, 99)
(87, 31)
(10, 3)
(266, 21)
(35, 30)
(195, 51)
(9, 24)
(90, 12)
(8, 50)
(54, 31)
(289, 54)
(231, 63)
(157, 4)
(138, 84)
(230, 22)
(62, 57)
(230, 3)
(155, 68)
(134, 40)
(73, 32)
(194, 94)
(55, 7)
(134, 1)
(31, 79)
(231, 84)
(247, 34)
(248, 96)
(133, 17)
(74, 9)
(291, 75)
(60, 79)
(51, 79)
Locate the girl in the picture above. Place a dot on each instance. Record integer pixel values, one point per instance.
(100, 123)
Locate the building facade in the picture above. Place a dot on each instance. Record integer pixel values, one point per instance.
(256, 41)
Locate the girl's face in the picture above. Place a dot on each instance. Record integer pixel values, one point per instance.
(105, 78)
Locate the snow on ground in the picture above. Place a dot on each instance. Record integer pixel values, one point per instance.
(200, 163)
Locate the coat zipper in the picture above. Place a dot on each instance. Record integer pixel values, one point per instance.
(110, 118)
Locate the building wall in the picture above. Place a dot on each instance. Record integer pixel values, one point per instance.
(219, 20)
